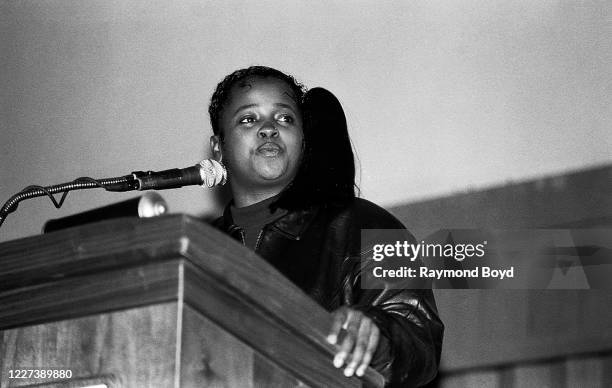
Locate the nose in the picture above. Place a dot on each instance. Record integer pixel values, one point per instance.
(267, 130)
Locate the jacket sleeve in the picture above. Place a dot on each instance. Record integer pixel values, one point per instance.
(408, 354)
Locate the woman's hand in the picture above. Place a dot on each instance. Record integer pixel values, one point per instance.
(359, 343)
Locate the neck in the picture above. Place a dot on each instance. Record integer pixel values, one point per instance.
(247, 198)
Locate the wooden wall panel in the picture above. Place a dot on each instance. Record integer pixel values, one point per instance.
(592, 371)
(580, 199)
(585, 373)
(475, 379)
(534, 376)
(136, 346)
(525, 336)
(488, 328)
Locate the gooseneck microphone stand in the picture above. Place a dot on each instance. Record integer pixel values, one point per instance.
(208, 172)
(124, 183)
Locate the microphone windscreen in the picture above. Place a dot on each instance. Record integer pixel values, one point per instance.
(212, 173)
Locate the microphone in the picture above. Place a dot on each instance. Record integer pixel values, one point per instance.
(207, 173)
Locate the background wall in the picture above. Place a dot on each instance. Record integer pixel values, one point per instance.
(440, 97)
(528, 338)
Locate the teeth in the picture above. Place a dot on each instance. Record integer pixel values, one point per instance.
(269, 149)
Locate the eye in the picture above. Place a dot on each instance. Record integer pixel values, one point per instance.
(285, 118)
(247, 120)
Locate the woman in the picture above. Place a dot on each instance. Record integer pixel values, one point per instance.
(291, 173)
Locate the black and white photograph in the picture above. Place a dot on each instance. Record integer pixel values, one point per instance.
(339, 193)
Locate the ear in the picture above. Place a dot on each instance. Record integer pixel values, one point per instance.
(215, 146)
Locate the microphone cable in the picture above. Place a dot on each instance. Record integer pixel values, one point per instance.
(124, 183)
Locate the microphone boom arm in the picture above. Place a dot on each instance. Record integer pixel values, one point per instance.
(124, 183)
(207, 173)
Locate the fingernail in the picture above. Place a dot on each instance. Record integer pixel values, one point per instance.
(361, 371)
(339, 360)
(348, 372)
(331, 339)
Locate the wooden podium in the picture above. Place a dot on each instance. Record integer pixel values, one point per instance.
(163, 302)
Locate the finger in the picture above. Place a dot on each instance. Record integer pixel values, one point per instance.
(369, 353)
(353, 321)
(339, 318)
(363, 337)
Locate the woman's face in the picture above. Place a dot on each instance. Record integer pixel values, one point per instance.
(262, 135)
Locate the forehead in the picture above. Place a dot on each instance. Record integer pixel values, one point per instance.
(259, 88)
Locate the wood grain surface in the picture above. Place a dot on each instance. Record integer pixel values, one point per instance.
(89, 294)
(123, 263)
(212, 357)
(132, 348)
(265, 334)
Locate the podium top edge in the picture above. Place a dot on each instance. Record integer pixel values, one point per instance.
(123, 240)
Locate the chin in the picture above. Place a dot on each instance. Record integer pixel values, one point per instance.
(271, 176)
(275, 178)
(273, 170)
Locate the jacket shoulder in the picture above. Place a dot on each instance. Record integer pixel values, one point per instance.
(368, 215)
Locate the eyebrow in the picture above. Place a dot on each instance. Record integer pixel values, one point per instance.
(278, 104)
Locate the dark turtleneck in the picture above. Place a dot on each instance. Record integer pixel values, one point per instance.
(252, 218)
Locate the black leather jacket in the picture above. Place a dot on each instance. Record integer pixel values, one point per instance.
(319, 250)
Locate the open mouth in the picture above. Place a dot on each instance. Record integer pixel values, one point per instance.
(269, 149)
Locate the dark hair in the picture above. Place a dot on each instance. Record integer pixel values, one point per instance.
(327, 170)
(222, 92)
(327, 173)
